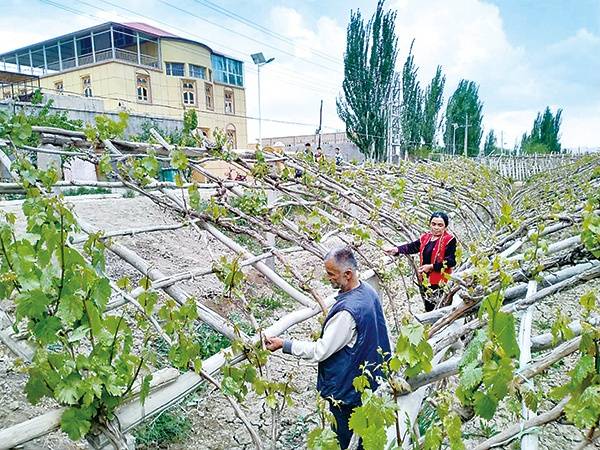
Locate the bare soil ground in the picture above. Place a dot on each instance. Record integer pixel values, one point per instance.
(214, 425)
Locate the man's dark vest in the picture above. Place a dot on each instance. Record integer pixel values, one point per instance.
(338, 371)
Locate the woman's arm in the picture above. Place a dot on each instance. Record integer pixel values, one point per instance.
(409, 248)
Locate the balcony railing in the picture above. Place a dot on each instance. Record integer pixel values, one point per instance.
(100, 56)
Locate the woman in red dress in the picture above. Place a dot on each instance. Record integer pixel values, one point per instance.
(437, 257)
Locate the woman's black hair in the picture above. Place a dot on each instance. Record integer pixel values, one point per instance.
(442, 215)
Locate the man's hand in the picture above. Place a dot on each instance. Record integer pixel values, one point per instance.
(390, 250)
(426, 268)
(273, 343)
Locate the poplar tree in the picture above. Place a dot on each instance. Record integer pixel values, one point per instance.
(464, 107)
(410, 110)
(545, 134)
(432, 104)
(490, 146)
(369, 62)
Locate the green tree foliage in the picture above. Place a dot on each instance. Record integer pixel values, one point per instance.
(545, 134)
(490, 146)
(432, 104)
(411, 110)
(369, 63)
(464, 104)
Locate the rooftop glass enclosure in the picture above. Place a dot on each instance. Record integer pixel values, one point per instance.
(106, 42)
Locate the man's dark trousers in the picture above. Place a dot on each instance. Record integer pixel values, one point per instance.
(342, 417)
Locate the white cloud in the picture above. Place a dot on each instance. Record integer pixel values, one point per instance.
(291, 87)
(466, 37)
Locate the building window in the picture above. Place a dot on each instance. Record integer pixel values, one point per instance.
(189, 92)
(142, 87)
(229, 102)
(230, 133)
(175, 69)
(208, 93)
(227, 70)
(87, 86)
(59, 87)
(197, 71)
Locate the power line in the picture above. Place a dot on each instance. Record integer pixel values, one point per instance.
(301, 82)
(230, 30)
(164, 105)
(244, 56)
(77, 12)
(263, 29)
(248, 37)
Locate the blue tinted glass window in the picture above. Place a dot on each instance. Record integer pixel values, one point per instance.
(197, 71)
(175, 69)
(227, 70)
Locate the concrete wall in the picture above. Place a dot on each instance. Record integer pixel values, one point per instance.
(82, 111)
(329, 141)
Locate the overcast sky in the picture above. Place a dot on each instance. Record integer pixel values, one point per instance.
(524, 54)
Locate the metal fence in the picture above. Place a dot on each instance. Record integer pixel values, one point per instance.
(521, 168)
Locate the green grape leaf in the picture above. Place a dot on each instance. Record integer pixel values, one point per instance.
(179, 160)
(70, 309)
(504, 329)
(36, 388)
(31, 304)
(471, 375)
(76, 422)
(322, 439)
(589, 302)
(46, 330)
(485, 405)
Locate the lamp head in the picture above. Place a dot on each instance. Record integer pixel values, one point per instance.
(258, 58)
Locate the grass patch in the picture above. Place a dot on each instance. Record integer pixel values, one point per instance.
(12, 197)
(264, 306)
(169, 427)
(82, 190)
(210, 341)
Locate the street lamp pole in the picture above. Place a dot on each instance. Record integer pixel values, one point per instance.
(259, 60)
(259, 112)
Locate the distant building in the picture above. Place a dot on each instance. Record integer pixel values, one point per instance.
(329, 141)
(137, 68)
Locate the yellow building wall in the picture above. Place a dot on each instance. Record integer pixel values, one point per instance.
(115, 83)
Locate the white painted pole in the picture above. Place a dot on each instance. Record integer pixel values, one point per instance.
(530, 440)
(259, 112)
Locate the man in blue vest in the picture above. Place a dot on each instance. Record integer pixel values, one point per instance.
(353, 331)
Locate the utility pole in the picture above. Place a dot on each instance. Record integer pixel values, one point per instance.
(466, 133)
(320, 124)
(501, 142)
(454, 126)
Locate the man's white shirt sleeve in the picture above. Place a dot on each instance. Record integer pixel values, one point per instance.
(339, 332)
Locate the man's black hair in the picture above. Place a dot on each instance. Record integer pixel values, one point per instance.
(441, 215)
(307, 144)
(343, 257)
